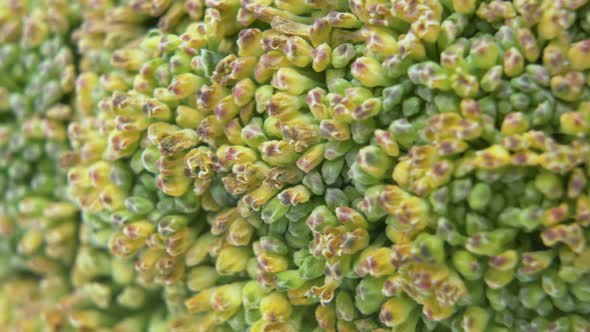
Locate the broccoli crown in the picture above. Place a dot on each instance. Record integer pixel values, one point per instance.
(295, 165)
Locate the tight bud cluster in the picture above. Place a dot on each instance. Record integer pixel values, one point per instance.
(307, 165)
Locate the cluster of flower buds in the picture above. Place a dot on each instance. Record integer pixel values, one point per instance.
(38, 225)
(108, 292)
(32, 22)
(107, 26)
(368, 165)
(29, 304)
(307, 165)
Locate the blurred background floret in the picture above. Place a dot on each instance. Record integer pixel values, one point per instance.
(38, 223)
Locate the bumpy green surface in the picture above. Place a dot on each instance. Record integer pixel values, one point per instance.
(307, 165)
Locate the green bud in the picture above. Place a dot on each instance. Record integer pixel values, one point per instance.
(475, 319)
(201, 277)
(289, 279)
(311, 268)
(138, 205)
(550, 184)
(581, 289)
(345, 309)
(273, 210)
(531, 295)
(479, 196)
(369, 296)
(467, 265)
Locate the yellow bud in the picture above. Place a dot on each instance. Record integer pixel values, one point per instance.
(275, 307)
